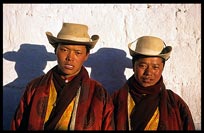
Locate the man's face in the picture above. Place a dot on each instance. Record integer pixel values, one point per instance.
(70, 58)
(148, 70)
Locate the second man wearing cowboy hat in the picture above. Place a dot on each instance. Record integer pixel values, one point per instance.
(143, 103)
(65, 98)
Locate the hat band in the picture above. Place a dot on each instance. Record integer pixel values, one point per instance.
(74, 38)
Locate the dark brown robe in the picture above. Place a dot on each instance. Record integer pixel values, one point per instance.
(174, 112)
(94, 112)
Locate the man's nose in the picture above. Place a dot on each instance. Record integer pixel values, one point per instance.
(70, 55)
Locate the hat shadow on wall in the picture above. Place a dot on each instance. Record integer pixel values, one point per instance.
(108, 66)
(30, 61)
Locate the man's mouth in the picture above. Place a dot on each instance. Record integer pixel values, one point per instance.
(68, 66)
(147, 80)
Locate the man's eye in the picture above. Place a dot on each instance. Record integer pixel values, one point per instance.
(78, 53)
(64, 50)
(142, 66)
(155, 67)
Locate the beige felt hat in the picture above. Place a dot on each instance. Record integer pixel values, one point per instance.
(149, 46)
(74, 34)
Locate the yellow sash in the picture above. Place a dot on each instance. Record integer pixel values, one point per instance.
(64, 120)
(154, 121)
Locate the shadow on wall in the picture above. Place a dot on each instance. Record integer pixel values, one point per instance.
(108, 67)
(30, 61)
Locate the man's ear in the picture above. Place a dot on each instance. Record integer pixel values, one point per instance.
(56, 48)
(87, 56)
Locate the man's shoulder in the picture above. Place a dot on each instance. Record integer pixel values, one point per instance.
(174, 98)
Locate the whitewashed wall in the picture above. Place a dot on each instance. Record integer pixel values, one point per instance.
(25, 42)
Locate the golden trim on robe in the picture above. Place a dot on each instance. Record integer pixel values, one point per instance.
(64, 120)
(154, 121)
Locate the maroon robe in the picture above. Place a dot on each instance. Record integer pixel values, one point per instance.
(174, 112)
(94, 112)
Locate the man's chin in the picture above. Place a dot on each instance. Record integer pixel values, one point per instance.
(146, 84)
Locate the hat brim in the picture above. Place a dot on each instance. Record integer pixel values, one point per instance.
(54, 40)
(165, 54)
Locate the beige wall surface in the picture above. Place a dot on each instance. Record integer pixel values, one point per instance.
(25, 45)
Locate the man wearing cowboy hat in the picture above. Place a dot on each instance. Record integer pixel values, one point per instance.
(66, 98)
(143, 103)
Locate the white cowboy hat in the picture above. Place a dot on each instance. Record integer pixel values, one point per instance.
(150, 46)
(74, 34)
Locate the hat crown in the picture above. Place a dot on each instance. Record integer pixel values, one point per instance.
(149, 45)
(74, 32)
